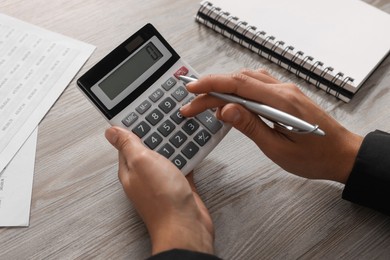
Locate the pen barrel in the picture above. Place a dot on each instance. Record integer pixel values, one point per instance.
(278, 116)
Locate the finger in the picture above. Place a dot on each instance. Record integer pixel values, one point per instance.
(200, 104)
(262, 75)
(248, 123)
(238, 84)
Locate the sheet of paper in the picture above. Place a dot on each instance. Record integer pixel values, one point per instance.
(36, 65)
(16, 186)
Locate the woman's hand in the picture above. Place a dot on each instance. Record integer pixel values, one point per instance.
(167, 202)
(319, 157)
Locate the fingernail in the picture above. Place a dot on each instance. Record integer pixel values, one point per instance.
(112, 135)
(190, 84)
(184, 107)
(231, 115)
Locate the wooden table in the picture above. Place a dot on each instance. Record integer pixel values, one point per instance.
(79, 210)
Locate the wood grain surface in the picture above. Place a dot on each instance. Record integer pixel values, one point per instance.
(79, 210)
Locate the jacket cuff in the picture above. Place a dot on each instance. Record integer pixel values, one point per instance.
(369, 181)
(182, 254)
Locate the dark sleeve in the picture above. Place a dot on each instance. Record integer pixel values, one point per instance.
(369, 182)
(182, 254)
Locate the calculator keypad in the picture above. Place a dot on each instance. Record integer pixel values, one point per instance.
(158, 122)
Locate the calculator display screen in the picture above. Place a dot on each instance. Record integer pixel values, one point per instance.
(125, 79)
(130, 70)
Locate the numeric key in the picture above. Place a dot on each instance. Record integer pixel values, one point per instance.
(166, 150)
(153, 140)
(167, 105)
(166, 128)
(154, 117)
(177, 117)
(178, 139)
(190, 126)
(141, 129)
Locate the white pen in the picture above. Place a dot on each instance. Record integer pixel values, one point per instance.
(281, 118)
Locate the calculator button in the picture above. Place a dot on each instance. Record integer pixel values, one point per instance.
(179, 161)
(190, 150)
(154, 117)
(141, 129)
(178, 139)
(182, 71)
(166, 128)
(153, 140)
(209, 121)
(202, 137)
(143, 107)
(190, 126)
(130, 119)
(156, 95)
(180, 93)
(188, 100)
(166, 150)
(177, 117)
(167, 85)
(167, 105)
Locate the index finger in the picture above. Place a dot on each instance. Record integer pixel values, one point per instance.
(238, 84)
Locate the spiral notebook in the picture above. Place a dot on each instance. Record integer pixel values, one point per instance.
(333, 44)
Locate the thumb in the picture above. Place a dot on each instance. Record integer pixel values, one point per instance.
(190, 179)
(121, 139)
(246, 122)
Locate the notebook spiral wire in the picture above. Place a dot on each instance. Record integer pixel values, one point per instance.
(305, 68)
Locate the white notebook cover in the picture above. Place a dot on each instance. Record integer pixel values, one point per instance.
(349, 35)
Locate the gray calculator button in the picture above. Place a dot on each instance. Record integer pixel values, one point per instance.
(178, 139)
(143, 107)
(166, 128)
(166, 150)
(154, 117)
(180, 93)
(130, 119)
(167, 85)
(190, 126)
(153, 140)
(188, 100)
(202, 137)
(209, 121)
(177, 117)
(141, 129)
(156, 95)
(190, 150)
(167, 105)
(179, 161)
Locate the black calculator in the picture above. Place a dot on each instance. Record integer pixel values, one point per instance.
(137, 87)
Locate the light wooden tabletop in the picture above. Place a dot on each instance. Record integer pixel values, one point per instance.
(79, 210)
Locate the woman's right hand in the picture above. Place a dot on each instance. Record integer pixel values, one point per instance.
(318, 157)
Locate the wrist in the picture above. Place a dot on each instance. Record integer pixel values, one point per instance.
(349, 149)
(179, 235)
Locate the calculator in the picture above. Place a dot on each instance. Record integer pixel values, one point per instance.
(137, 87)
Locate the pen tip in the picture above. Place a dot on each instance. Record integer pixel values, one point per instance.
(319, 132)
